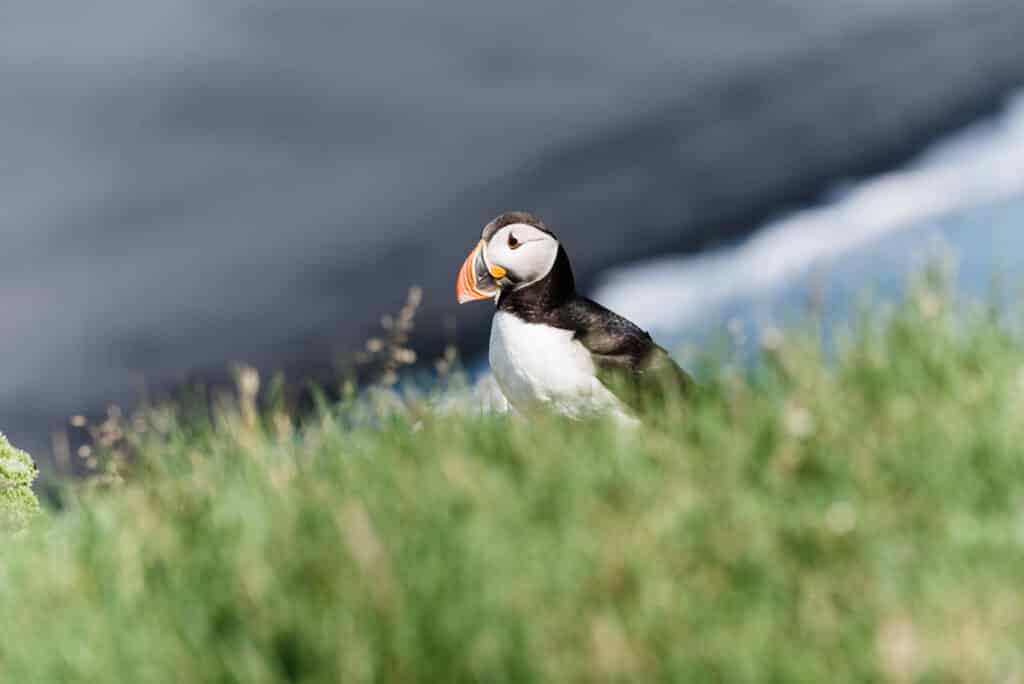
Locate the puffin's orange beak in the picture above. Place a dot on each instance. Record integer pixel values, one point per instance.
(476, 279)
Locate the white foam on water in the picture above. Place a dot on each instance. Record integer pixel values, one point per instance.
(978, 165)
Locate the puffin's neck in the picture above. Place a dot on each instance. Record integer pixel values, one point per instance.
(544, 296)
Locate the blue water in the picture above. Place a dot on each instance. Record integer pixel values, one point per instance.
(982, 248)
(960, 203)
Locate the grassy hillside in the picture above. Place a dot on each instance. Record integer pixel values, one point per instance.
(856, 519)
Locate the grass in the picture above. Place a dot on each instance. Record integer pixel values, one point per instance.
(18, 503)
(859, 519)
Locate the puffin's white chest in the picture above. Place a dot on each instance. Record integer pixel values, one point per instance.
(542, 366)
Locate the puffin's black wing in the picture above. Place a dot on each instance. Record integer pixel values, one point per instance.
(628, 361)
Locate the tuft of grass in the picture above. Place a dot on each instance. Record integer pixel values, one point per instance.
(18, 504)
(855, 519)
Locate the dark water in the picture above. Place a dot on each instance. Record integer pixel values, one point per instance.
(186, 183)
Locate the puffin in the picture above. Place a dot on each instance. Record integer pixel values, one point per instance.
(550, 347)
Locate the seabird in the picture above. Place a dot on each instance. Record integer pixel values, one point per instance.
(550, 347)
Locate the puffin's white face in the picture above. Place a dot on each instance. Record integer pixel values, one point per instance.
(524, 252)
(511, 257)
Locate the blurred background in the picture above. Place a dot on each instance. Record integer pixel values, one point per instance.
(189, 183)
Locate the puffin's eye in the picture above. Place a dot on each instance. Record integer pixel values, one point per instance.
(513, 243)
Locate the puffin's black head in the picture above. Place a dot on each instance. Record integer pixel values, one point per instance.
(515, 251)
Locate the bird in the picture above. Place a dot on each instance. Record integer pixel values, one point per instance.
(550, 347)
